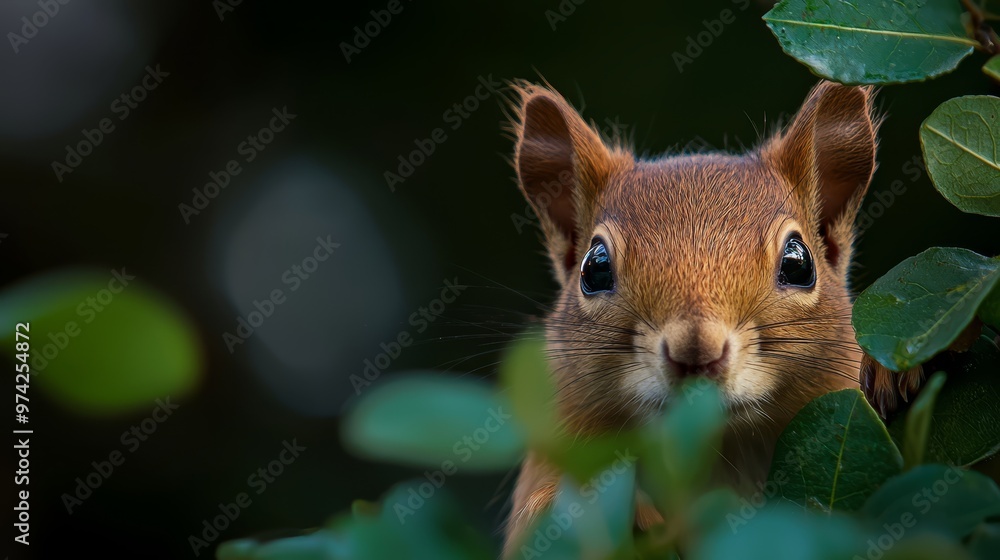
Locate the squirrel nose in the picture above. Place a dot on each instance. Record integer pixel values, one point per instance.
(696, 348)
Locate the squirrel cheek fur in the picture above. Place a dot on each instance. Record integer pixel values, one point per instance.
(695, 243)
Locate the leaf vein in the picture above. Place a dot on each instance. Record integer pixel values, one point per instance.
(963, 147)
(903, 34)
(840, 456)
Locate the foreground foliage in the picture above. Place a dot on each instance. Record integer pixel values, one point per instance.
(843, 483)
(839, 486)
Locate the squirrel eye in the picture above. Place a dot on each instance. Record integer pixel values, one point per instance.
(796, 265)
(595, 272)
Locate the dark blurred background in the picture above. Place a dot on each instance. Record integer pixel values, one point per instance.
(220, 71)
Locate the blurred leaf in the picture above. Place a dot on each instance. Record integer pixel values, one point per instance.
(98, 346)
(678, 452)
(711, 510)
(782, 532)
(918, 421)
(416, 519)
(961, 146)
(320, 545)
(966, 414)
(413, 522)
(589, 521)
(933, 498)
(922, 305)
(985, 541)
(525, 375)
(655, 542)
(583, 458)
(447, 423)
(872, 42)
(923, 547)
(834, 453)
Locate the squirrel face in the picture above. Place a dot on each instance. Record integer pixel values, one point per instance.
(732, 267)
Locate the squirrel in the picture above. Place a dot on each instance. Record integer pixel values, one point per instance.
(732, 267)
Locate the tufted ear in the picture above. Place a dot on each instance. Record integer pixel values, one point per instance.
(562, 165)
(828, 155)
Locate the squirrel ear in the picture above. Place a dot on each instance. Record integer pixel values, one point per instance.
(562, 165)
(828, 154)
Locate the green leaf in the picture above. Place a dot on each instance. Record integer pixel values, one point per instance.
(451, 424)
(967, 408)
(411, 523)
(872, 42)
(782, 532)
(711, 510)
(586, 457)
(961, 146)
(415, 518)
(320, 545)
(934, 498)
(834, 453)
(992, 68)
(918, 421)
(100, 346)
(525, 375)
(923, 547)
(921, 306)
(985, 541)
(592, 520)
(679, 451)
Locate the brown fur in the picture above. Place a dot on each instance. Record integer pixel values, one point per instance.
(885, 388)
(695, 243)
